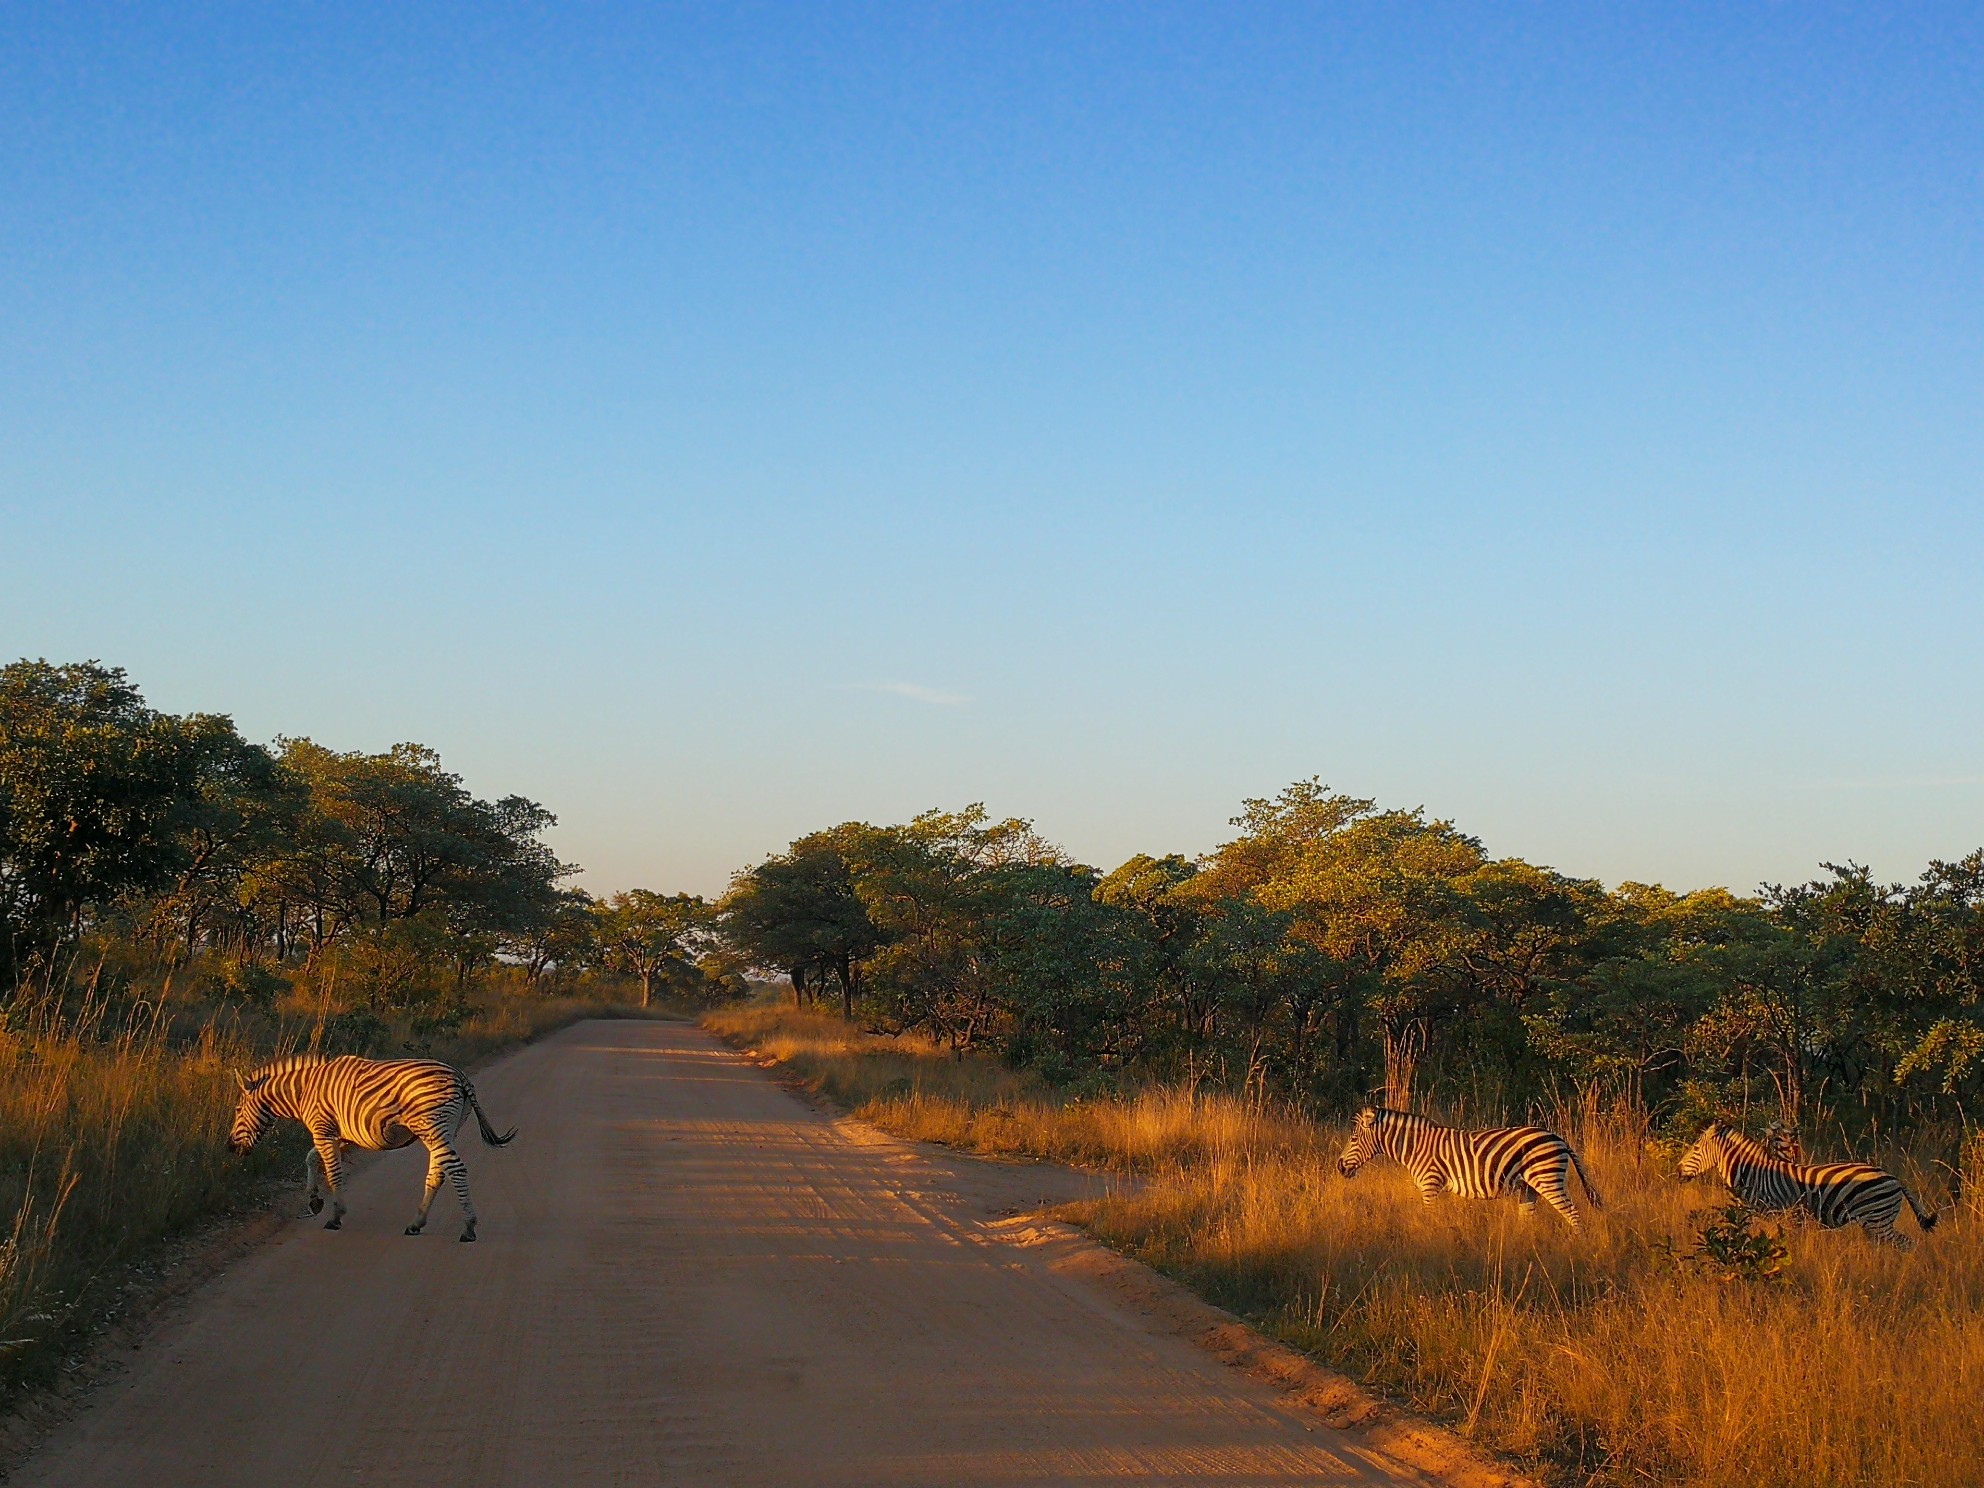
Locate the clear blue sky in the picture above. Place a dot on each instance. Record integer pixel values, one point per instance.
(722, 421)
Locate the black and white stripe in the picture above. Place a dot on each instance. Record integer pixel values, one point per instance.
(1526, 1161)
(376, 1104)
(1834, 1194)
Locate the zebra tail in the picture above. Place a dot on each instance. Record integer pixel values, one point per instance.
(1584, 1178)
(1928, 1220)
(488, 1132)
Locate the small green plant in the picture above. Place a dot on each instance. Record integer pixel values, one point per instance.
(354, 1031)
(437, 1023)
(1731, 1244)
(255, 985)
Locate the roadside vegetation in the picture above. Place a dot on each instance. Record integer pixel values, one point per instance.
(1675, 1341)
(1212, 1022)
(178, 904)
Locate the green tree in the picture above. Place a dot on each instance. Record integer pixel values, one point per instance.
(1162, 908)
(1265, 985)
(1627, 1019)
(1046, 944)
(934, 889)
(1782, 975)
(1375, 893)
(1915, 992)
(561, 938)
(92, 789)
(650, 936)
(798, 913)
(394, 836)
(400, 821)
(242, 810)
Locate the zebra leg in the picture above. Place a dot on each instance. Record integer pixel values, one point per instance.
(1431, 1184)
(312, 1166)
(434, 1169)
(443, 1160)
(458, 1175)
(1879, 1225)
(1525, 1198)
(1550, 1183)
(330, 1152)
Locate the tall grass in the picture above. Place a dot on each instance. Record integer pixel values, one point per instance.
(916, 1088)
(113, 1136)
(1595, 1356)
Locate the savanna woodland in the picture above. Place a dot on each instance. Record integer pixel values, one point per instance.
(177, 902)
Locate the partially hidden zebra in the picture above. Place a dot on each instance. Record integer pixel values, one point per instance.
(1834, 1194)
(1526, 1161)
(377, 1104)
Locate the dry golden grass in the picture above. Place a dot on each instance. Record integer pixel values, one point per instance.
(1591, 1355)
(104, 1145)
(915, 1088)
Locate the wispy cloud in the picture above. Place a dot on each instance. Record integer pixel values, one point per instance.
(921, 694)
(1895, 782)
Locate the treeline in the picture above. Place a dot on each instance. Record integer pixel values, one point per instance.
(132, 838)
(1334, 950)
(1331, 950)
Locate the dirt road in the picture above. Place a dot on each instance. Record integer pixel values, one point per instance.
(685, 1276)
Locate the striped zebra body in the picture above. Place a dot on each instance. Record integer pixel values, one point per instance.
(1834, 1194)
(1528, 1162)
(376, 1104)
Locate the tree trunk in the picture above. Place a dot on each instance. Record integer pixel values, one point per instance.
(1403, 1047)
(1791, 1088)
(1346, 1027)
(843, 968)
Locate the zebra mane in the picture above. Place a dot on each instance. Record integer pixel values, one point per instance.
(1749, 1148)
(285, 1064)
(1396, 1117)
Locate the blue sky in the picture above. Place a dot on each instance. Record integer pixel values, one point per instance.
(718, 422)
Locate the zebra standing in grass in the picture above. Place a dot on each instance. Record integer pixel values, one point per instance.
(1834, 1194)
(1526, 1161)
(377, 1104)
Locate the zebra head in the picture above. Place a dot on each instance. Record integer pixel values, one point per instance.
(1706, 1155)
(252, 1116)
(1363, 1142)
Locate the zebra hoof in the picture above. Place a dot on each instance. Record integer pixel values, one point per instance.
(316, 1204)
(336, 1223)
(468, 1237)
(412, 1230)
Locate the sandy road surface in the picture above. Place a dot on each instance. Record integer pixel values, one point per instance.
(685, 1276)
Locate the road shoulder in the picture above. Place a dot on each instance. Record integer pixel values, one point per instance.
(1016, 1202)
